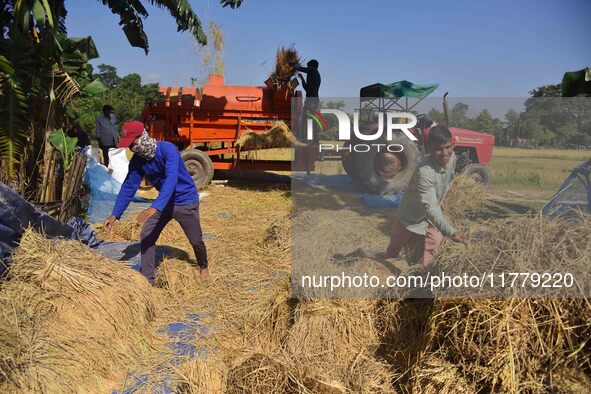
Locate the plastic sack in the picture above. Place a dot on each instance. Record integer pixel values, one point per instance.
(103, 192)
(118, 164)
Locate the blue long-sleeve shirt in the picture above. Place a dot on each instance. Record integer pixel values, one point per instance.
(166, 172)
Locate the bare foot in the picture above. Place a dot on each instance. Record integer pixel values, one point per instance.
(204, 273)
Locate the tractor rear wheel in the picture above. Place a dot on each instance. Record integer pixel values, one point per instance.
(383, 171)
(199, 165)
(481, 174)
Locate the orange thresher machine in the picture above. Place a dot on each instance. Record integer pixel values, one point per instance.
(206, 124)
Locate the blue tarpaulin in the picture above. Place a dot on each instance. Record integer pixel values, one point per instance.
(103, 193)
(378, 201)
(17, 214)
(573, 196)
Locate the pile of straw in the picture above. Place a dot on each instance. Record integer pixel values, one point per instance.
(512, 345)
(283, 70)
(70, 320)
(336, 341)
(516, 344)
(199, 376)
(279, 136)
(263, 372)
(128, 230)
(524, 244)
(465, 198)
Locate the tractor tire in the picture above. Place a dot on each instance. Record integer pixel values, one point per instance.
(199, 165)
(384, 172)
(479, 173)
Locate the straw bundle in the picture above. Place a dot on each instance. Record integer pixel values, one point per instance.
(283, 70)
(435, 376)
(333, 330)
(511, 345)
(335, 341)
(279, 136)
(466, 197)
(127, 229)
(524, 244)
(178, 277)
(262, 372)
(516, 344)
(72, 320)
(203, 376)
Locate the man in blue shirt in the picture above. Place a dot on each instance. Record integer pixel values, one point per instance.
(178, 199)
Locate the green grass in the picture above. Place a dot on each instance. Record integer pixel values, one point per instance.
(533, 168)
(512, 168)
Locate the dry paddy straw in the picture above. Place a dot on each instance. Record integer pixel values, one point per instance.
(127, 230)
(70, 320)
(279, 136)
(283, 70)
(521, 343)
(335, 341)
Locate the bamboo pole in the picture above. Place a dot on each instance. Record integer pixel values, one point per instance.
(44, 186)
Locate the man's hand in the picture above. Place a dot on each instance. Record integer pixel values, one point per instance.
(301, 76)
(109, 222)
(144, 215)
(458, 236)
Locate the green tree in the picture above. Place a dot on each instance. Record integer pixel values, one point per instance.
(459, 116)
(127, 99)
(546, 91)
(487, 123)
(34, 81)
(437, 116)
(108, 75)
(511, 126)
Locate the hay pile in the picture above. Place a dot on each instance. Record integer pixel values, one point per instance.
(256, 371)
(335, 341)
(279, 136)
(465, 198)
(203, 376)
(524, 244)
(127, 230)
(515, 344)
(512, 345)
(283, 72)
(70, 320)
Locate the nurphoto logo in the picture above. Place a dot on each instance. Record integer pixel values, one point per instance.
(393, 125)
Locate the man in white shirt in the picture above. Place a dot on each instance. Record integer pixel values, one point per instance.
(106, 132)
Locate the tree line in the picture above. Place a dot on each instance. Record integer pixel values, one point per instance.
(547, 120)
(127, 95)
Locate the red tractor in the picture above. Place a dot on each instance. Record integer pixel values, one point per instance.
(386, 172)
(206, 125)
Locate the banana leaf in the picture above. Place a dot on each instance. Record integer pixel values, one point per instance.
(65, 146)
(94, 88)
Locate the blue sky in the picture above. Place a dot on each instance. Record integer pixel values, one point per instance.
(487, 48)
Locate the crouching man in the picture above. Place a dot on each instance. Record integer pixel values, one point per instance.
(178, 199)
(420, 214)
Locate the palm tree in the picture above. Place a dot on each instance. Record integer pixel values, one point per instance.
(37, 60)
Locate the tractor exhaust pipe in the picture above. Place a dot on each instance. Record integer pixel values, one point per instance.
(446, 109)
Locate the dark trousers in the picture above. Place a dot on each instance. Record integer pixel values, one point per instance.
(105, 150)
(188, 218)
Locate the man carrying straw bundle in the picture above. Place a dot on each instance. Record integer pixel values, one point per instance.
(420, 214)
(161, 163)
